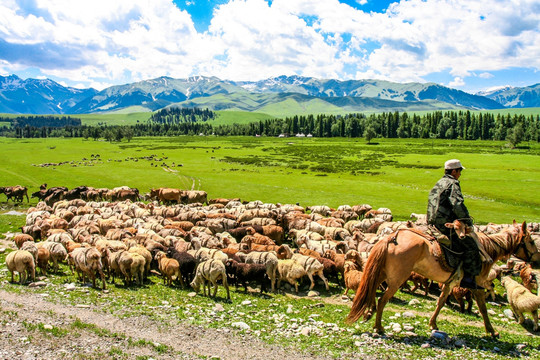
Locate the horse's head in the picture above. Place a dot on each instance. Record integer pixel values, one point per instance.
(526, 248)
(462, 229)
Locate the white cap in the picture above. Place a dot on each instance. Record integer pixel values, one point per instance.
(453, 164)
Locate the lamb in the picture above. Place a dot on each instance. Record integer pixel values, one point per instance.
(22, 262)
(338, 259)
(58, 252)
(242, 273)
(521, 300)
(418, 281)
(169, 268)
(459, 294)
(210, 271)
(43, 256)
(352, 276)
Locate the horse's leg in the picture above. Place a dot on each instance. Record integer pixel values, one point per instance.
(390, 291)
(440, 303)
(480, 297)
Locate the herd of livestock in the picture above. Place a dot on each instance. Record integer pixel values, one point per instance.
(189, 240)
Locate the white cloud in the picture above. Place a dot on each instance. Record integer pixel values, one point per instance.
(105, 42)
(485, 75)
(457, 82)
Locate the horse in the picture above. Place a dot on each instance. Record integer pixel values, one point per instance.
(394, 257)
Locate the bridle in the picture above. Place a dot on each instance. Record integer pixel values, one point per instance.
(523, 246)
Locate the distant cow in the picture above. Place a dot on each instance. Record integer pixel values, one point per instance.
(17, 193)
(166, 195)
(194, 196)
(122, 195)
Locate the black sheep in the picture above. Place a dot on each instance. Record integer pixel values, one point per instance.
(242, 273)
(187, 263)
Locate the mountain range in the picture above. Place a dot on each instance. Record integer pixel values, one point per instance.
(278, 96)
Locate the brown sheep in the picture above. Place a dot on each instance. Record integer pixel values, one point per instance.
(43, 256)
(22, 262)
(338, 259)
(21, 239)
(459, 294)
(169, 268)
(418, 281)
(352, 276)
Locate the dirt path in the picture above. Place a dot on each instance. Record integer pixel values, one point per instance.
(30, 327)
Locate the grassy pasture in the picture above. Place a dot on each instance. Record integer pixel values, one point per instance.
(499, 184)
(271, 320)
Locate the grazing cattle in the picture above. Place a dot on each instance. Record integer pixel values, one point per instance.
(194, 196)
(16, 192)
(123, 195)
(166, 195)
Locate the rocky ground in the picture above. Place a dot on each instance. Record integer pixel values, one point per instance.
(33, 328)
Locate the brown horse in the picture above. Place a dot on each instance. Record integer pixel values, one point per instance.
(394, 258)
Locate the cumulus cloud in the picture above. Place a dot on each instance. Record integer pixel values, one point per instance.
(102, 42)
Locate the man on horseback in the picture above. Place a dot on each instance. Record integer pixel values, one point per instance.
(445, 205)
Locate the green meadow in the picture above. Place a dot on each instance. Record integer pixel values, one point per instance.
(499, 184)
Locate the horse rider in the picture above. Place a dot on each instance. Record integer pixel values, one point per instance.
(445, 205)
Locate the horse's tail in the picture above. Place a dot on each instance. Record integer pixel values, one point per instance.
(364, 299)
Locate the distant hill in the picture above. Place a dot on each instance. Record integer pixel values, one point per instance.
(34, 96)
(279, 96)
(515, 97)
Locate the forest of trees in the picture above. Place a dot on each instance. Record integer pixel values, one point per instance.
(41, 121)
(464, 125)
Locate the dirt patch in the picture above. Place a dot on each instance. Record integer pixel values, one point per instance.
(34, 328)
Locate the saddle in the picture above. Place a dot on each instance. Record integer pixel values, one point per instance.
(441, 245)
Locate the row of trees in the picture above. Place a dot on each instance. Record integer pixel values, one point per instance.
(443, 125)
(42, 120)
(175, 115)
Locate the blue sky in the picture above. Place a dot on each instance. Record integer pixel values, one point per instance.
(468, 45)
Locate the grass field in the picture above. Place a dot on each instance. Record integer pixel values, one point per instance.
(499, 184)
(279, 318)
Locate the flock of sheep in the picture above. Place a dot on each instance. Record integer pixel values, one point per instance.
(205, 245)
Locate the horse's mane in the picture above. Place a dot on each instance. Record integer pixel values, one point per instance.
(499, 244)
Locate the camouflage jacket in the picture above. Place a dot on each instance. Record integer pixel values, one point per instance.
(445, 203)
